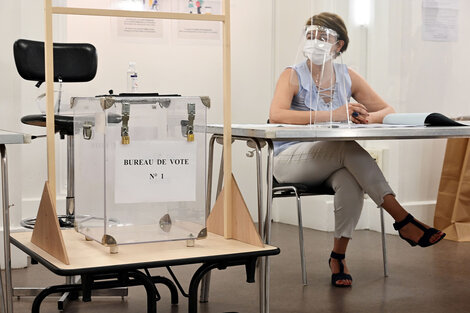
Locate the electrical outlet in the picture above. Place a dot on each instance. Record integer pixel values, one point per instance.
(377, 155)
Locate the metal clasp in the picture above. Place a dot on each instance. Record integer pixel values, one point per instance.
(87, 130)
(191, 116)
(126, 110)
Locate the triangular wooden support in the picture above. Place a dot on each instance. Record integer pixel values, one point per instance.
(243, 228)
(47, 234)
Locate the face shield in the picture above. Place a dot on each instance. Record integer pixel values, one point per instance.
(320, 79)
(319, 42)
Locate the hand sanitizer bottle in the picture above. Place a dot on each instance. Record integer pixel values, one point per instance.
(131, 78)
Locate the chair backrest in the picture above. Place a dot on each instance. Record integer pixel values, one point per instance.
(73, 62)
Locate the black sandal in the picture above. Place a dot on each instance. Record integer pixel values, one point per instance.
(424, 240)
(341, 275)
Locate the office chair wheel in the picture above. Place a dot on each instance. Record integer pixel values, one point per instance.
(64, 222)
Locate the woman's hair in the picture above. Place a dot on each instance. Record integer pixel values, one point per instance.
(334, 22)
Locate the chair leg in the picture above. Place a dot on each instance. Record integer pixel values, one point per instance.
(301, 240)
(384, 245)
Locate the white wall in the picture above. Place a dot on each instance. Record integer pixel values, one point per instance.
(10, 110)
(412, 75)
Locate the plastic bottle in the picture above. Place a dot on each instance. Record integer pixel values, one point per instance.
(131, 78)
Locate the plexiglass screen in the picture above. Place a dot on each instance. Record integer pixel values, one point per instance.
(140, 173)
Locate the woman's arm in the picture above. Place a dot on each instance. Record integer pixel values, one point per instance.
(363, 93)
(287, 87)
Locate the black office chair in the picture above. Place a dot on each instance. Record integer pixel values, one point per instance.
(73, 63)
(287, 190)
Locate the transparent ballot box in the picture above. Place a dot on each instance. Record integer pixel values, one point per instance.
(140, 168)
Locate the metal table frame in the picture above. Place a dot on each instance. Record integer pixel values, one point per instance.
(123, 274)
(7, 137)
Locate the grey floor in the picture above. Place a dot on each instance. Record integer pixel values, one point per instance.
(435, 279)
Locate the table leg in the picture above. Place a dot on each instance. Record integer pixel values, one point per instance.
(8, 305)
(50, 290)
(149, 287)
(122, 281)
(267, 224)
(2, 296)
(194, 284)
(205, 284)
(259, 185)
(262, 263)
(384, 245)
(250, 264)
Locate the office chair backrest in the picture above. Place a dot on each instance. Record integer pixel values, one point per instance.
(73, 62)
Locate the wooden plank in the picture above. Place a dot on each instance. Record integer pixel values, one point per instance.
(87, 254)
(227, 121)
(138, 14)
(47, 234)
(49, 64)
(243, 227)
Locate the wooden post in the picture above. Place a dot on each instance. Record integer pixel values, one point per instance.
(227, 122)
(47, 234)
(49, 70)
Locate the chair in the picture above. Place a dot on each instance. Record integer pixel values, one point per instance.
(285, 190)
(73, 62)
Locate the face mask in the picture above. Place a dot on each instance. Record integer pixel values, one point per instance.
(318, 51)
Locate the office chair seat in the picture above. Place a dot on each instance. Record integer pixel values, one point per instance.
(63, 123)
(303, 190)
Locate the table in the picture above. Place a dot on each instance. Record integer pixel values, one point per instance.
(260, 135)
(93, 261)
(7, 137)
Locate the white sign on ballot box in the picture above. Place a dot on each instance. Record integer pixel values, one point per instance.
(155, 171)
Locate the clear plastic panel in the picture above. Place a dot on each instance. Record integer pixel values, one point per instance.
(140, 172)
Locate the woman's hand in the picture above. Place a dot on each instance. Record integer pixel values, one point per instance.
(358, 113)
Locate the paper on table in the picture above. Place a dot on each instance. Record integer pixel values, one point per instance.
(256, 125)
(320, 125)
(383, 125)
(352, 125)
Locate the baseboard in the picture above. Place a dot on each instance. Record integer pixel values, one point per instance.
(29, 206)
(317, 213)
(18, 258)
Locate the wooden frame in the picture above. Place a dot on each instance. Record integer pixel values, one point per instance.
(48, 47)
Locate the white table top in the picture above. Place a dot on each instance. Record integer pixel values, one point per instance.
(7, 137)
(288, 132)
(90, 254)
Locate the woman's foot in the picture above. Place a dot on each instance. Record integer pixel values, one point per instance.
(340, 274)
(417, 233)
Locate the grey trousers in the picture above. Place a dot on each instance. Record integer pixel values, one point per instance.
(343, 165)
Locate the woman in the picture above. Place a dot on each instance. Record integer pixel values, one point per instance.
(300, 98)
